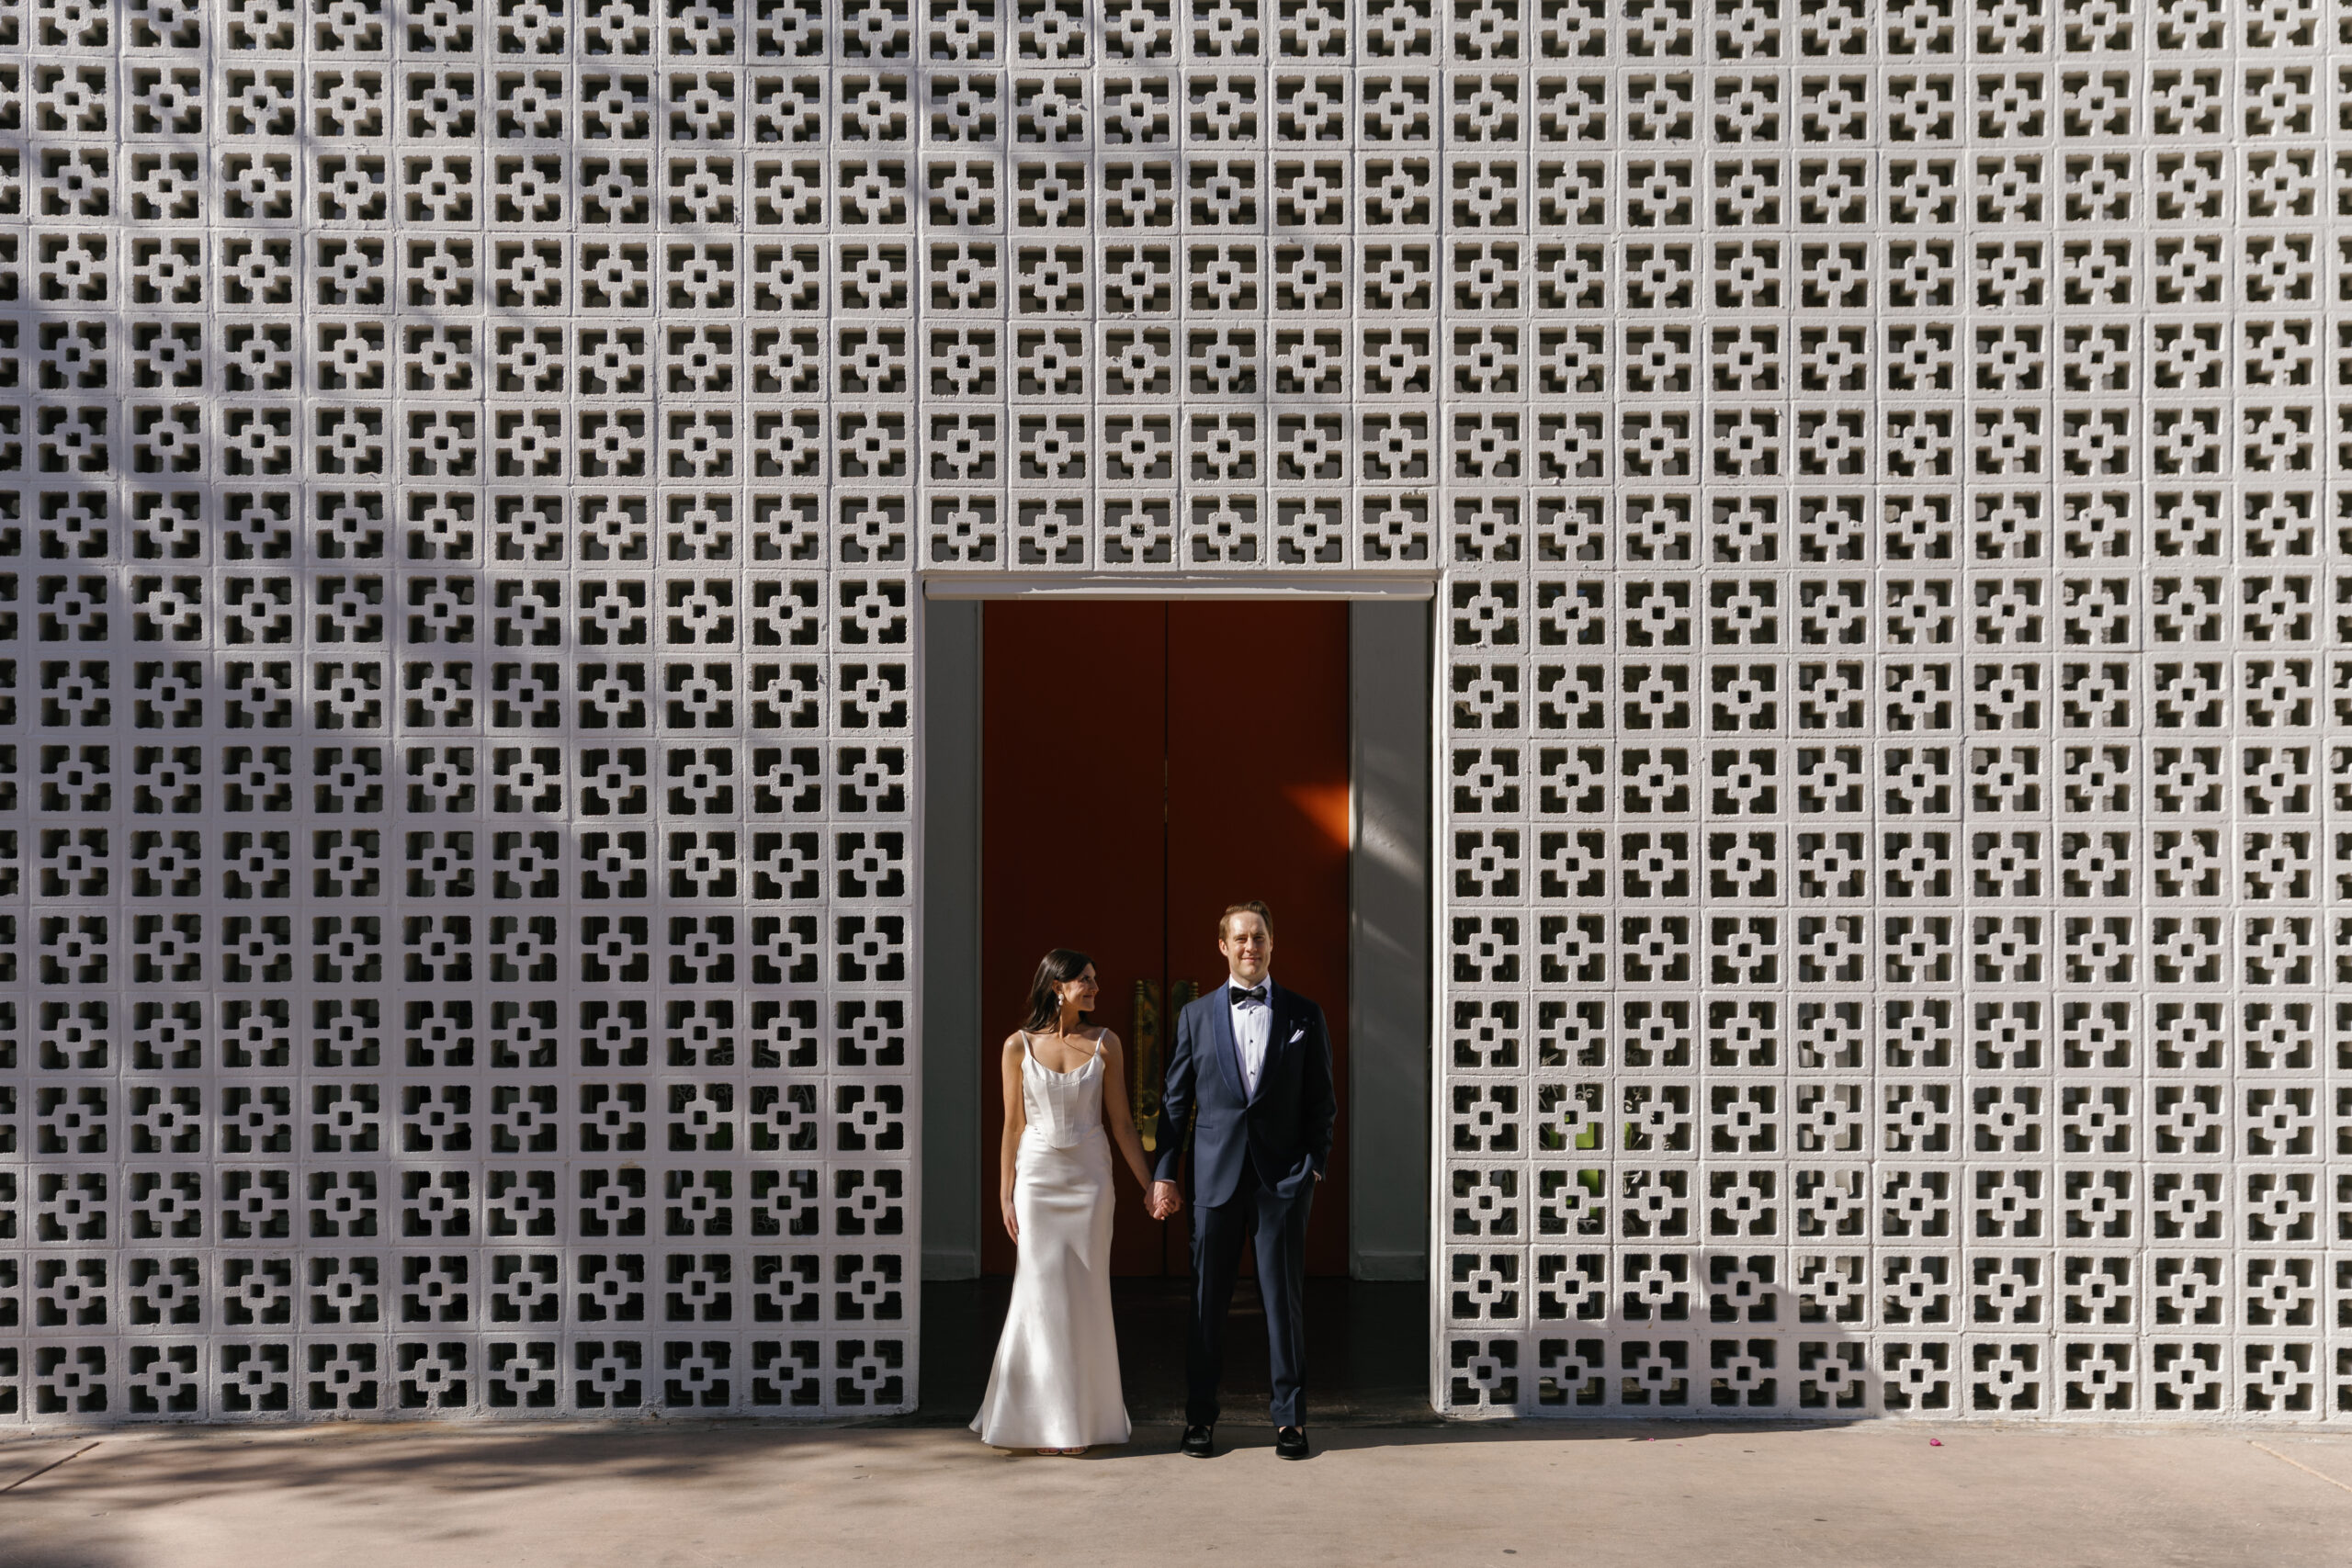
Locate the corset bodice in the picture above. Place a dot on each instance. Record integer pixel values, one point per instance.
(1062, 1108)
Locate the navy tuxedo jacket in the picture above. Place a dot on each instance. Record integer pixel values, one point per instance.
(1285, 1130)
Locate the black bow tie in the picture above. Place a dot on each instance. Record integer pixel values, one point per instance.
(1236, 996)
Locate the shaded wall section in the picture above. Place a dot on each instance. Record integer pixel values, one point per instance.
(1389, 680)
(952, 1053)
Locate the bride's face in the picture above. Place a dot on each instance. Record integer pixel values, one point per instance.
(1080, 991)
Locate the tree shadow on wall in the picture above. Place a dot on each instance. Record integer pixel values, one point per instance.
(314, 721)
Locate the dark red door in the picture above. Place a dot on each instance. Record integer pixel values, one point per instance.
(1143, 765)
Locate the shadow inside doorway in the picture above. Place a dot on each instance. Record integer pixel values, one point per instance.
(1367, 1352)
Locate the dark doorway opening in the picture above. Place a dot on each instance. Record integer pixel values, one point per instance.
(1144, 764)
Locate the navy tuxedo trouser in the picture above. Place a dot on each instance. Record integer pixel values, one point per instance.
(1280, 1223)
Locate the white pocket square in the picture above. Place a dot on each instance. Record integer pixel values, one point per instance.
(1298, 1034)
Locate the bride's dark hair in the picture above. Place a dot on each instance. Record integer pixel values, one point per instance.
(1059, 967)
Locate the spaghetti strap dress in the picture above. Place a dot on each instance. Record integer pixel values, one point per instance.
(1055, 1384)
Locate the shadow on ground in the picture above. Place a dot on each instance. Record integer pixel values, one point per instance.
(152, 1467)
(1368, 1390)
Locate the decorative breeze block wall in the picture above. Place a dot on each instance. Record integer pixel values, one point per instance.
(1899, 774)
(457, 781)
(468, 466)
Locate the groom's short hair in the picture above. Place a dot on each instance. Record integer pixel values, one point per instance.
(1224, 922)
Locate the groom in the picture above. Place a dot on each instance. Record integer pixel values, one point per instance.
(1256, 1062)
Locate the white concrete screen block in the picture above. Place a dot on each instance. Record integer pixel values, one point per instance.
(470, 468)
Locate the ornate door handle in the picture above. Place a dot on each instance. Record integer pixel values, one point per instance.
(1181, 994)
(1151, 1055)
(1143, 1087)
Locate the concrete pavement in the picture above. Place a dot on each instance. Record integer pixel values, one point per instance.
(716, 1495)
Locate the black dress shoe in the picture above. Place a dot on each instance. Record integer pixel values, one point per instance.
(1200, 1442)
(1290, 1442)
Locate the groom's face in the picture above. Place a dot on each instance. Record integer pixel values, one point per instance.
(1248, 946)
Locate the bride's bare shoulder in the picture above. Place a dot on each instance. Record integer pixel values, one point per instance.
(1012, 1043)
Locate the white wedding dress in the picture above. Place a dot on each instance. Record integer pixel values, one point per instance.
(1056, 1380)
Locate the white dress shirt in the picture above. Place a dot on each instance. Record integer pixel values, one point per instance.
(1253, 1024)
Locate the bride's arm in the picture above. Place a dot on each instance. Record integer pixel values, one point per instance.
(1115, 1115)
(1016, 1118)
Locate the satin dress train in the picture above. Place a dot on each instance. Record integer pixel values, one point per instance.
(1056, 1380)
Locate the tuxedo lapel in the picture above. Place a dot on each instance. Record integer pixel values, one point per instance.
(1223, 1045)
(1277, 1031)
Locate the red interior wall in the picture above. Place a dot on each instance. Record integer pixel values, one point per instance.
(1144, 764)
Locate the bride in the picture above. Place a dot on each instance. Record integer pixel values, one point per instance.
(1055, 1386)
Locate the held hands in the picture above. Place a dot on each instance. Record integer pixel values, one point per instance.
(1162, 1201)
